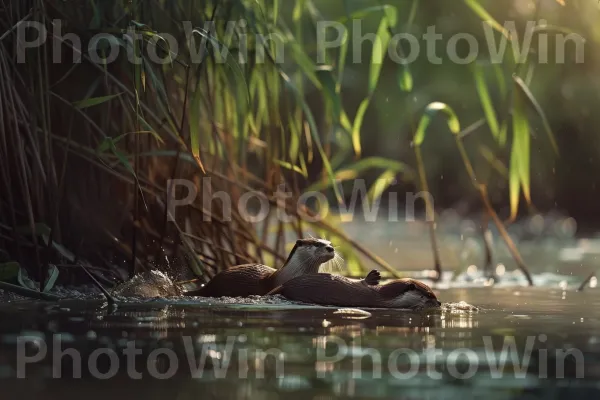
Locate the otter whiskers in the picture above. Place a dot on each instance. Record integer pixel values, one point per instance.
(336, 264)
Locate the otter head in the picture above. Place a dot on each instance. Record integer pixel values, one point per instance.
(305, 258)
(409, 293)
(319, 250)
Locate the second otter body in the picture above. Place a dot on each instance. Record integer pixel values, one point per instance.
(257, 280)
(334, 290)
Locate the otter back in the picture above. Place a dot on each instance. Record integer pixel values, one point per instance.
(240, 281)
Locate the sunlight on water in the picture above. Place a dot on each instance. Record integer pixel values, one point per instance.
(492, 337)
(277, 348)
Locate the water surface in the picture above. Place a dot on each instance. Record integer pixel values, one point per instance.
(276, 349)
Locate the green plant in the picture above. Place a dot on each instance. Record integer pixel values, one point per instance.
(87, 149)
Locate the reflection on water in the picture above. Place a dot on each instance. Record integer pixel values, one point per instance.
(520, 343)
(273, 351)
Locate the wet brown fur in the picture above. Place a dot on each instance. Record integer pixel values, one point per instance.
(327, 289)
(249, 279)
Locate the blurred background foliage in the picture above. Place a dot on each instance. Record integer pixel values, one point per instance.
(567, 93)
(88, 148)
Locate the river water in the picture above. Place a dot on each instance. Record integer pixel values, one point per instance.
(520, 344)
(517, 343)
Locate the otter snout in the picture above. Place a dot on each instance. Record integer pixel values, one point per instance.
(321, 249)
(326, 253)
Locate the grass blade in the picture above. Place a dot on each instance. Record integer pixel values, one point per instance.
(390, 12)
(486, 103)
(384, 181)
(94, 101)
(405, 79)
(520, 155)
(358, 122)
(52, 277)
(314, 133)
(478, 9)
(531, 100)
(432, 110)
(379, 51)
(328, 83)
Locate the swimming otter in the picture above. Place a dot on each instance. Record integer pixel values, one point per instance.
(257, 280)
(334, 290)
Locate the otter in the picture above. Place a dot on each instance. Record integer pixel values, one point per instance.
(335, 290)
(257, 280)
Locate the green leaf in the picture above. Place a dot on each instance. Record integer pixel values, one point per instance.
(384, 181)
(380, 47)
(405, 79)
(531, 100)
(291, 167)
(390, 13)
(358, 121)
(195, 119)
(345, 121)
(478, 9)
(306, 64)
(303, 166)
(25, 281)
(313, 132)
(413, 12)
(105, 145)
(94, 101)
(354, 170)
(242, 107)
(275, 11)
(52, 277)
(123, 159)
(9, 270)
(230, 61)
(520, 155)
(514, 181)
(431, 110)
(298, 10)
(96, 19)
(378, 162)
(140, 25)
(327, 80)
(501, 80)
(494, 162)
(554, 29)
(62, 250)
(342, 60)
(486, 102)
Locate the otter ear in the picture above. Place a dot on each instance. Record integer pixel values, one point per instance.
(373, 278)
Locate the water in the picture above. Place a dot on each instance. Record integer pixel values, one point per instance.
(269, 348)
(392, 345)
